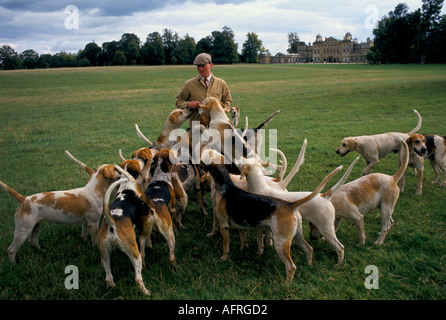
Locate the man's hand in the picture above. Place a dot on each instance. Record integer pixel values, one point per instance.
(193, 104)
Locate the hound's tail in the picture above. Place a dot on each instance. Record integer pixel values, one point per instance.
(316, 191)
(418, 127)
(300, 159)
(14, 193)
(330, 193)
(81, 164)
(143, 137)
(107, 216)
(284, 164)
(260, 126)
(397, 176)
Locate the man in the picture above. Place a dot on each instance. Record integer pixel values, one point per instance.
(204, 85)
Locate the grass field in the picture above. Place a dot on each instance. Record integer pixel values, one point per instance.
(91, 112)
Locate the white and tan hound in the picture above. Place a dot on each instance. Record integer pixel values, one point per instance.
(361, 196)
(174, 121)
(233, 149)
(319, 211)
(77, 206)
(375, 147)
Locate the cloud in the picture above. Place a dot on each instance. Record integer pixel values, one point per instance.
(40, 25)
(106, 8)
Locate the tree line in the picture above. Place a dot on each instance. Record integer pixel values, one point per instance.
(164, 48)
(411, 37)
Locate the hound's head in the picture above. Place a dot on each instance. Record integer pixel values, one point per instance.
(132, 166)
(143, 154)
(211, 157)
(348, 144)
(108, 172)
(178, 117)
(210, 103)
(253, 169)
(164, 160)
(417, 143)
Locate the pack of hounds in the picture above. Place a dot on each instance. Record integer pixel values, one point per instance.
(150, 192)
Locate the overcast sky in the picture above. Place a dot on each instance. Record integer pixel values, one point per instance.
(50, 26)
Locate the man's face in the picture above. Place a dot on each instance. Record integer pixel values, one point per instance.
(204, 70)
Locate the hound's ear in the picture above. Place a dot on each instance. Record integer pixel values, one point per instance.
(353, 144)
(173, 117)
(146, 155)
(245, 171)
(109, 172)
(409, 141)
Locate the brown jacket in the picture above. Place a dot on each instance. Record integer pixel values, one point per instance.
(195, 90)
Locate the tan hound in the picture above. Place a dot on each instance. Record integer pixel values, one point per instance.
(361, 196)
(375, 147)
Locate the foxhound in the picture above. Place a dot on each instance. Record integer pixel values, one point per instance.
(161, 192)
(319, 211)
(361, 196)
(375, 147)
(77, 206)
(131, 209)
(174, 121)
(219, 123)
(244, 210)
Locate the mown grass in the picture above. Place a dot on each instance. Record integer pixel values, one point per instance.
(91, 112)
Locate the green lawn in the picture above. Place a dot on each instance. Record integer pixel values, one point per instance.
(91, 112)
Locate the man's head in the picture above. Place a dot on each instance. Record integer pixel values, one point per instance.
(203, 61)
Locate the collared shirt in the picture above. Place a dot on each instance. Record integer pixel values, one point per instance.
(208, 79)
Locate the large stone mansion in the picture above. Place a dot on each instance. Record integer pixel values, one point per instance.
(330, 50)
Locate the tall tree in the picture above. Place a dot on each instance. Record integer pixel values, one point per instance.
(109, 49)
(185, 52)
(9, 58)
(428, 27)
(131, 46)
(395, 36)
(224, 48)
(91, 52)
(119, 59)
(170, 43)
(152, 52)
(204, 45)
(30, 59)
(405, 36)
(438, 43)
(251, 48)
(294, 42)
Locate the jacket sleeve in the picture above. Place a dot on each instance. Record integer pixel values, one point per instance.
(226, 98)
(183, 97)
